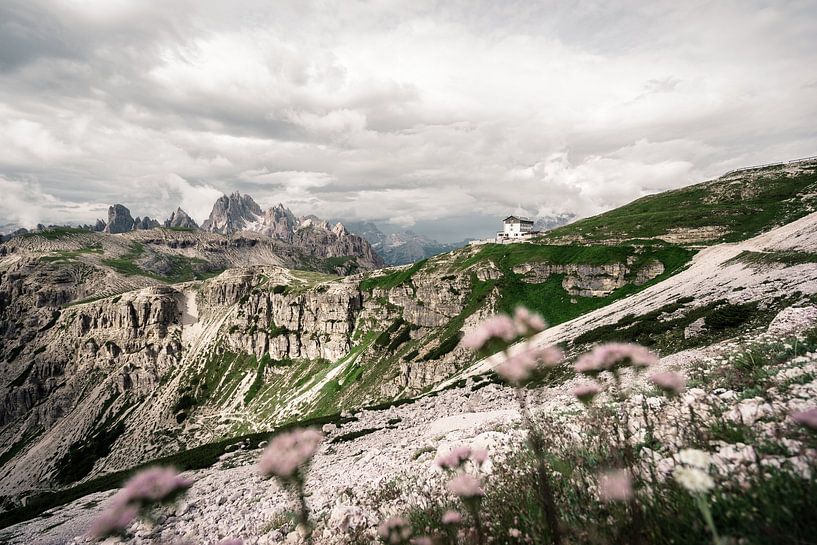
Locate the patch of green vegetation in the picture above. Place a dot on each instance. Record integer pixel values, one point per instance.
(391, 280)
(346, 264)
(67, 256)
(511, 255)
(443, 348)
(179, 268)
(81, 456)
(549, 298)
(762, 199)
(259, 379)
(787, 258)
(654, 329)
(56, 233)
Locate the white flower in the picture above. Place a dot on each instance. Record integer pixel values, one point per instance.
(695, 458)
(693, 479)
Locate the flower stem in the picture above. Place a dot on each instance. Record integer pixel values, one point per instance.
(545, 488)
(706, 512)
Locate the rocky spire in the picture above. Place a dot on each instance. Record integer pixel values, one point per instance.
(180, 219)
(119, 219)
(233, 213)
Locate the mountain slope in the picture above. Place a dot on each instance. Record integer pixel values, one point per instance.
(402, 440)
(132, 376)
(736, 206)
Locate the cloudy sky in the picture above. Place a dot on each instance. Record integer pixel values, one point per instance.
(436, 116)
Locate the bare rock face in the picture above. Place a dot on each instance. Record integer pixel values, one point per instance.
(311, 234)
(589, 280)
(231, 214)
(99, 226)
(145, 223)
(119, 219)
(181, 220)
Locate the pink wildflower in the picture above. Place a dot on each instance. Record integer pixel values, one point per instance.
(465, 486)
(451, 517)
(289, 451)
(615, 486)
(455, 458)
(586, 392)
(154, 485)
(606, 357)
(479, 456)
(231, 541)
(514, 532)
(528, 322)
(519, 366)
(114, 520)
(807, 418)
(672, 383)
(497, 327)
(421, 540)
(394, 530)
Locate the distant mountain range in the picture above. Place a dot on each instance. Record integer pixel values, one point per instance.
(401, 248)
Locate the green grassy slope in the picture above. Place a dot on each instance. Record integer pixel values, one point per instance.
(742, 205)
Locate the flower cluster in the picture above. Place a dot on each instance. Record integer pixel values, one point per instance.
(451, 517)
(504, 329)
(615, 486)
(693, 475)
(465, 487)
(519, 366)
(457, 457)
(288, 452)
(611, 356)
(394, 530)
(586, 392)
(669, 382)
(807, 418)
(151, 486)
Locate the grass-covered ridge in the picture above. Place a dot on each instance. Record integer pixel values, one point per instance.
(739, 207)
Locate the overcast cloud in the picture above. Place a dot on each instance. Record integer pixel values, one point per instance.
(436, 115)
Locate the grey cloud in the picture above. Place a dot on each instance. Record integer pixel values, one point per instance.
(439, 115)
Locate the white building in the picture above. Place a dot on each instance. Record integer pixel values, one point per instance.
(515, 228)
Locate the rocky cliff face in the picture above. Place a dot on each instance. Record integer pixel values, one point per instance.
(590, 280)
(119, 219)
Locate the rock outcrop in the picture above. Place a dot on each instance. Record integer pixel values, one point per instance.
(119, 219)
(232, 214)
(179, 219)
(145, 223)
(590, 280)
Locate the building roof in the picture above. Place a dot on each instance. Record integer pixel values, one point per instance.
(520, 219)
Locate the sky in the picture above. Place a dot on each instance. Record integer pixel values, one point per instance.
(440, 117)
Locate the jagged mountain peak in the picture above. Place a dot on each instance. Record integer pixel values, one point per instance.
(181, 219)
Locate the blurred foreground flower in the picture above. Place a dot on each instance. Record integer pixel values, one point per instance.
(499, 327)
(807, 418)
(695, 458)
(586, 392)
(615, 486)
(288, 452)
(394, 530)
(671, 383)
(518, 367)
(286, 458)
(465, 486)
(611, 356)
(451, 517)
(147, 488)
